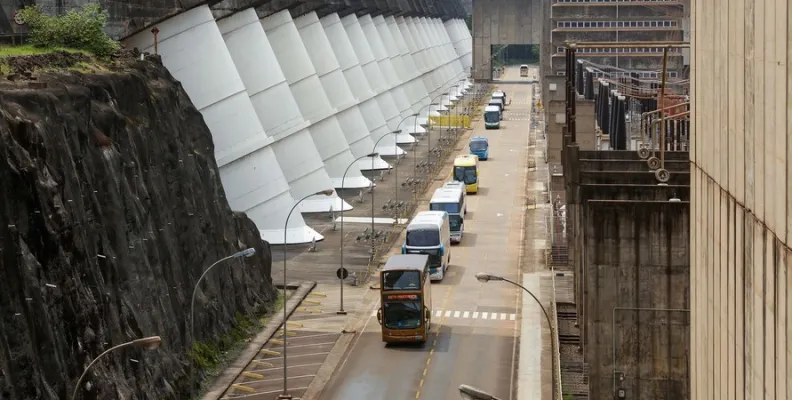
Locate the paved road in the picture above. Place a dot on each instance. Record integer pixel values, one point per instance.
(475, 324)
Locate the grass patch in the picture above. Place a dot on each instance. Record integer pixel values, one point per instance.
(30, 50)
(213, 357)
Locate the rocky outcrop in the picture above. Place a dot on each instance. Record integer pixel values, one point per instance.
(111, 209)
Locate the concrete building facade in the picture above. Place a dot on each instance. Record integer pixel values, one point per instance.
(618, 21)
(741, 286)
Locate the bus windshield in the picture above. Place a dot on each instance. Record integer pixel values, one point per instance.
(491, 116)
(455, 222)
(451, 208)
(402, 314)
(423, 238)
(401, 280)
(465, 174)
(479, 144)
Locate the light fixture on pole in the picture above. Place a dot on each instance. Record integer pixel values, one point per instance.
(429, 128)
(249, 252)
(470, 393)
(147, 343)
(327, 192)
(342, 272)
(396, 132)
(396, 151)
(484, 277)
(415, 153)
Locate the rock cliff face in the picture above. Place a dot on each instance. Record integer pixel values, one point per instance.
(111, 209)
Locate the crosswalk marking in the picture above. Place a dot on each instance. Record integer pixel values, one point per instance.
(492, 316)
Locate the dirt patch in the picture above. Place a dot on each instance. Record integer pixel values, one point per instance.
(23, 67)
(26, 65)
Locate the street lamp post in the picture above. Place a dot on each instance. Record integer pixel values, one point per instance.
(148, 343)
(240, 254)
(429, 128)
(396, 132)
(484, 277)
(415, 153)
(341, 270)
(396, 150)
(327, 192)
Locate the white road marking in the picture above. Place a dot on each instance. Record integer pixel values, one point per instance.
(456, 314)
(465, 315)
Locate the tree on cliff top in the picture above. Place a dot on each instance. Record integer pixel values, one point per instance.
(81, 29)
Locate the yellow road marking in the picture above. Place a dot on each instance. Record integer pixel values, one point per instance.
(437, 334)
(269, 352)
(312, 302)
(243, 388)
(294, 324)
(253, 375)
(262, 364)
(317, 295)
(276, 341)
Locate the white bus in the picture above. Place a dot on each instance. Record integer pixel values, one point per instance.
(429, 233)
(452, 201)
(461, 186)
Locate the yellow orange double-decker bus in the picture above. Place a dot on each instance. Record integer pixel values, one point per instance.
(466, 171)
(405, 299)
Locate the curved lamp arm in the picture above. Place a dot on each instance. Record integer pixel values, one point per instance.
(149, 343)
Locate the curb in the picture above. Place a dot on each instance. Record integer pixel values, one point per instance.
(230, 374)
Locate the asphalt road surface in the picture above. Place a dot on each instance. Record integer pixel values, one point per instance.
(474, 324)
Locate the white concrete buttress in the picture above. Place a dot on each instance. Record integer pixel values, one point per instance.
(355, 120)
(278, 111)
(324, 133)
(395, 102)
(383, 106)
(416, 90)
(249, 171)
(399, 79)
(419, 64)
(338, 92)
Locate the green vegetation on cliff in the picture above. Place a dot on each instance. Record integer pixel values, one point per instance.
(81, 29)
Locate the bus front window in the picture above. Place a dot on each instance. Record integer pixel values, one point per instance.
(480, 145)
(491, 116)
(423, 238)
(402, 314)
(465, 174)
(455, 222)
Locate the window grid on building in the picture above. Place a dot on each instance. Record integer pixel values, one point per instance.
(615, 24)
(618, 50)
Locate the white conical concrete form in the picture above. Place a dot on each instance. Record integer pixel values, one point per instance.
(383, 106)
(418, 62)
(439, 50)
(431, 77)
(271, 95)
(432, 42)
(399, 89)
(252, 178)
(463, 43)
(393, 112)
(408, 72)
(306, 167)
(336, 89)
(361, 91)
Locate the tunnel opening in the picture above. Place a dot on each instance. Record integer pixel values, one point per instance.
(514, 54)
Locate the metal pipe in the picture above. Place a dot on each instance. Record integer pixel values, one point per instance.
(613, 330)
(662, 108)
(285, 395)
(374, 150)
(341, 271)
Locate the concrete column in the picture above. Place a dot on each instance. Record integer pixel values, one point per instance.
(392, 110)
(420, 66)
(362, 93)
(321, 144)
(430, 77)
(242, 149)
(415, 89)
(399, 90)
(337, 89)
(383, 99)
